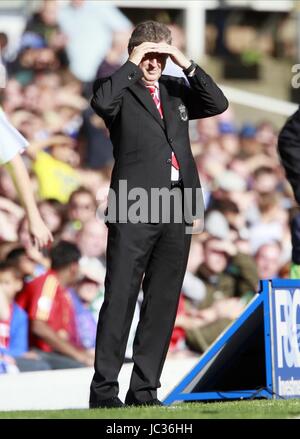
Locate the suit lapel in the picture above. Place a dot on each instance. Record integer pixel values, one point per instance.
(145, 98)
(169, 105)
(166, 104)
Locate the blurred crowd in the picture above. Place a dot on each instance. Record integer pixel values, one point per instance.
(50, 299)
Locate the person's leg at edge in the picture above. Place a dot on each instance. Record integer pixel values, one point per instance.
(162, 285)
(128, 250)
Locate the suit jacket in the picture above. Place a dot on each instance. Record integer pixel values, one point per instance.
(289, 151)
(142, 141)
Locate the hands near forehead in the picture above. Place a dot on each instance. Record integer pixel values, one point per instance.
(139, 52)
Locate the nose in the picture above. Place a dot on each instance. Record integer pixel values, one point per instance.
(153, 61)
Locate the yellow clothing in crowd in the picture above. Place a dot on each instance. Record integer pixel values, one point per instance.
(56, 179)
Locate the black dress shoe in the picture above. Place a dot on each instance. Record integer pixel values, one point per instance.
(150, 402)
(109, 403)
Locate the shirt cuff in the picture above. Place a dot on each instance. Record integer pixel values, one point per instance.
(192, 73)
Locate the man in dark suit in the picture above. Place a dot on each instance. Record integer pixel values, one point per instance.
(289, 153)
(147, 114)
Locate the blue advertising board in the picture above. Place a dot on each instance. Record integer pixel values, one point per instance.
(257, 356)
(284, 299)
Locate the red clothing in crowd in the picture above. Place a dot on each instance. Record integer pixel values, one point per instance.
(178, 334)
(45, 299)
(5, 331)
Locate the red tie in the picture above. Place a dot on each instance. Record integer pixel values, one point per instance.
(154, 93)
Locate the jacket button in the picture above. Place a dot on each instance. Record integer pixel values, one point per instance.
(169, 161)
(170, 140)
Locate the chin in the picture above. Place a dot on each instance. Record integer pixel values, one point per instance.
(152, 78)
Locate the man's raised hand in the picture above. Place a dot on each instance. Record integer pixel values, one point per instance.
(175, 54)
(141, 50)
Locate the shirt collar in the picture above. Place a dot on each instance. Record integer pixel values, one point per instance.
(156, 85)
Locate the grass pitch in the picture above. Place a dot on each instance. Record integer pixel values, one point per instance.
(258, 409)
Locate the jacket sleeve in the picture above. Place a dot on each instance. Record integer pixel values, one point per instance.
(108, 92)
(244, 271)
(289, 151)
(203, 98)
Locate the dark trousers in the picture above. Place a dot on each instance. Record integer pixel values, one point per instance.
(160, 253)
(295, 232)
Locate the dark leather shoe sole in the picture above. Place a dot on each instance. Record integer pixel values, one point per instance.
(109, 403)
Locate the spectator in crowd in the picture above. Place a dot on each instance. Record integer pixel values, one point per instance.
(12, 98)
(12, 145)
(230, 186)
(232, 214)
(54, 214)
(58, 169)
(90, 286)
(3, 43)
(97, 144)
(28, 262)
(249, 144)
(92, 238)
(265, 180)
(83, 295)
(81, 206)
(44, 23)
(86, 49)
(268, 260)
(3, 72)
(51, 312)
(177, 346)
(246, 194)
(55, 171)
(14, 352)
(80, 209)
(115, 56)
(229, 141)
(34, 56)
(231, 280)
(193, 287)
(10, 215)
(5, 248)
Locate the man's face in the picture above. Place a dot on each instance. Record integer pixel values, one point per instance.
(9, 284)
(268, 261)
(82, 208)
(87, 290)
(265, 183)
(152, 66)
(215, 260)
(92, 239)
